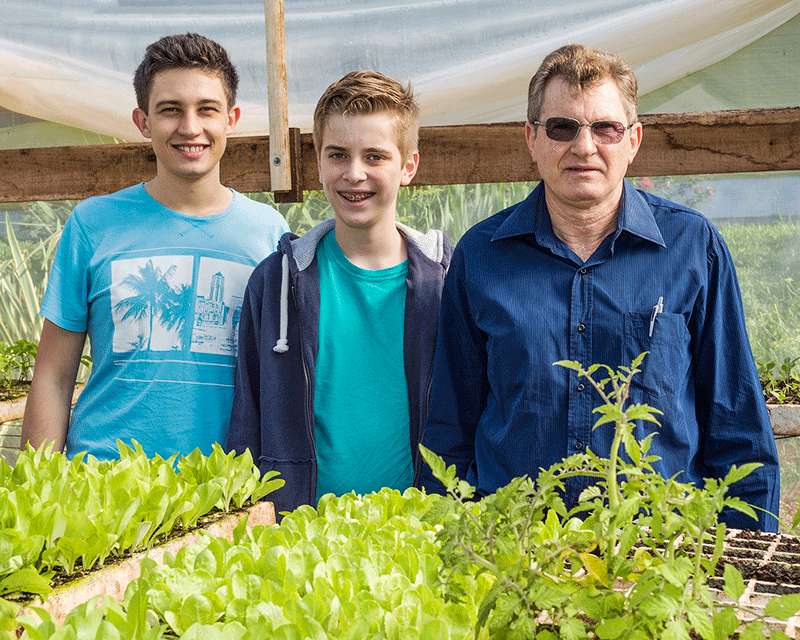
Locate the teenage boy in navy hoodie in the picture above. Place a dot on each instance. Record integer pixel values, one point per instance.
(338, 327)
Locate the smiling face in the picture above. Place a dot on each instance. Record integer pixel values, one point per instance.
(582, 174)
(188, 121)
(361, 168)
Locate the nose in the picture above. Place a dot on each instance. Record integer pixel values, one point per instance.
(190, 124)
(355, 171)
(584, 143)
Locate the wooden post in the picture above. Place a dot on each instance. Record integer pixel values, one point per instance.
(280, 162)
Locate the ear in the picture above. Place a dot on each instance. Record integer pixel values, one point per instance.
(530, 139)
(233, 117)
(410, 168)
(140, 120)
(636, 140)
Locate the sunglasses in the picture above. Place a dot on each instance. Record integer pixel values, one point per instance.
(566, 130)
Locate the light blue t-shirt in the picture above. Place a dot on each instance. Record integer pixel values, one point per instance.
(361, 422)
(160, 294)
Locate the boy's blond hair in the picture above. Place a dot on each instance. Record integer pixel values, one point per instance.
(367, 92)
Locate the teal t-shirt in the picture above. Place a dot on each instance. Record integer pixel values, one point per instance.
(361, 422)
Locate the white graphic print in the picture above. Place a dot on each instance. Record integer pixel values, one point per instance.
(220, 286)
(151, 302)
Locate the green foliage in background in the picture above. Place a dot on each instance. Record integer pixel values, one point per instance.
(16, 362)
(781, 383)
(766, 254)
(23, 279)
(767, 259)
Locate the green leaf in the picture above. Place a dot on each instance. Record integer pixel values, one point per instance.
(734, 584)
(676, 630)
(737, 473)
(783, 607)
(611, 628)
(725, 623)
(753, 631)
(26, 580)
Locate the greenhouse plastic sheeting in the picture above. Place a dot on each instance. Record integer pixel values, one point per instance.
(470, 61)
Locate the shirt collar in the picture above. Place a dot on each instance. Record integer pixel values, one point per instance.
(530, 217)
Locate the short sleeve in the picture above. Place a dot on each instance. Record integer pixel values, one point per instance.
(65, 301)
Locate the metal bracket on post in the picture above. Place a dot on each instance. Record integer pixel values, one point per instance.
(295, 192)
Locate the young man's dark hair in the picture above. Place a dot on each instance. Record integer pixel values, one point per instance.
(184, 51)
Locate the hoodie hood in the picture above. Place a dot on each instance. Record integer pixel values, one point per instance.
(433, 244)
(299, 251)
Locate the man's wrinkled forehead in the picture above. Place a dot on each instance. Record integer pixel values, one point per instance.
(578, 90)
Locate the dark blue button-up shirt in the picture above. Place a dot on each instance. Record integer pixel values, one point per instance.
(517, 299)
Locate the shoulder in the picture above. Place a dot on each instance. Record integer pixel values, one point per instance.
(133, 196)
(123, 209)
(680, 224)
(271, 267)
(433, 244)
(478, 238)
(259, 212)
(668, 211)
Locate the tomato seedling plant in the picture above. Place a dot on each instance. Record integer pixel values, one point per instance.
(629, 562)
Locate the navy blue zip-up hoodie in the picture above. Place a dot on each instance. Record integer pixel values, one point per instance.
(273, 403)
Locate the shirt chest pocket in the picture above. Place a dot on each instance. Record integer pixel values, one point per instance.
(665, 366)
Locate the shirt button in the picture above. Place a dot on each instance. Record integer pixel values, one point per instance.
(581, 386)
(581, 327)
(583, 272)
(578, 445)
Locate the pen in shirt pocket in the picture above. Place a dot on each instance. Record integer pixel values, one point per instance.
(658, 308)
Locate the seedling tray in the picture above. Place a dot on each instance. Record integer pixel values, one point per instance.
(112, 580)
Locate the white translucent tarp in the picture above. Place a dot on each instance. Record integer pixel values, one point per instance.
(72, 61)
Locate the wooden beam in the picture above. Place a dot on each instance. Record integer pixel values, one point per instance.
(674, 144)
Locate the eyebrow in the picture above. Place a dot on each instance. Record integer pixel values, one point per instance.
(333, 147)
(207, 101)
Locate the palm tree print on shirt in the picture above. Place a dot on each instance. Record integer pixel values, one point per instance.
(151, 303)
(152, 290)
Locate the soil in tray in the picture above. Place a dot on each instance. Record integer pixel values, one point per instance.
(759, 587)
(746, 534)
(788, 558)
(747, 544)
(777, 589)
(14, 390)
(789, 547)
(741, 552)
(775, 572)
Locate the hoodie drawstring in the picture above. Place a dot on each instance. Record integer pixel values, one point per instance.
(282, 346)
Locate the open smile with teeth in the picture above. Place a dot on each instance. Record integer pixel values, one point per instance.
(191, 149)
(360, 196)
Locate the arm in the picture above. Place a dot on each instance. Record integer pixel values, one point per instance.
(730, 405)
(47, 409)
(459, 387)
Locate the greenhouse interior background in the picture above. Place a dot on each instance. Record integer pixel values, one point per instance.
(66, 67)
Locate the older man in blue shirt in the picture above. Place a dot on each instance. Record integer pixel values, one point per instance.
(587, 268)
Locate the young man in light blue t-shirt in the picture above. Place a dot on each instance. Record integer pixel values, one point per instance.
(338, 327)
(154, 275)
